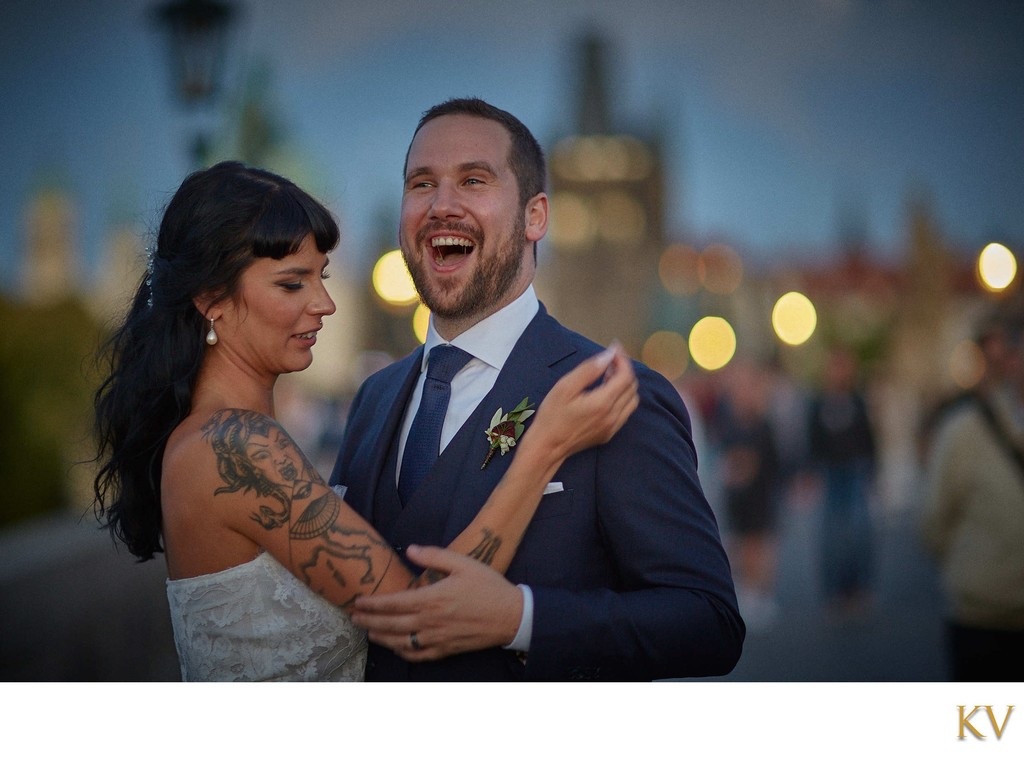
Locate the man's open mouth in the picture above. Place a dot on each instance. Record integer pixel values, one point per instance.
(448, 246)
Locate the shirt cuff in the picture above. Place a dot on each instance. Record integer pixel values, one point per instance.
(521, 643)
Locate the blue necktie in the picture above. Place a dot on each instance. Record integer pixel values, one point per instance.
(424, 442)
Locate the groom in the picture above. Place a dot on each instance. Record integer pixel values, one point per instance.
(621, 575)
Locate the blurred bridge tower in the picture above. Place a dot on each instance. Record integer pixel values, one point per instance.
(51, 265)
(598, 269)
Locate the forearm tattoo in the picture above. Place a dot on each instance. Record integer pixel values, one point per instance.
(486, 548)
(255, 455)
(484, 551)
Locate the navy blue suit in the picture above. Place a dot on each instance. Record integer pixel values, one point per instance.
(629, 577)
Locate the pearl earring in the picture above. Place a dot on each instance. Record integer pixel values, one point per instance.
(211, 335)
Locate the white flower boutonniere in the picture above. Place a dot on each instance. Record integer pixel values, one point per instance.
(506, 429)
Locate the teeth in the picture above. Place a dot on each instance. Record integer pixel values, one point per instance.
(450, 241)
(308, 335)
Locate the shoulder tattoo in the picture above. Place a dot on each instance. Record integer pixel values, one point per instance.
(255, 454)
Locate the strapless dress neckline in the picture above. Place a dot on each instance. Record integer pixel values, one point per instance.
(257, 622)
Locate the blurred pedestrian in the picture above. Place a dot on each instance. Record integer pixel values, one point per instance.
(842, 448)
(973, 516)
(750, 480)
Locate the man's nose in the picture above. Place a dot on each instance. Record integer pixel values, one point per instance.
(445, 202)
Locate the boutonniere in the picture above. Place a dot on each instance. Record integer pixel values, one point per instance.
(506, 429)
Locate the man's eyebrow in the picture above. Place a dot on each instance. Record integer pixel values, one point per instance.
(478, 165)
(417, 172)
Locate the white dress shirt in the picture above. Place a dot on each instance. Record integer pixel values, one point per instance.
(490, 342)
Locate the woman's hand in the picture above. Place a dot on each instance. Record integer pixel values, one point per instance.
(473, 607)
(573, 417)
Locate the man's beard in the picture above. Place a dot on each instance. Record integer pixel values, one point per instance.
(490, 283)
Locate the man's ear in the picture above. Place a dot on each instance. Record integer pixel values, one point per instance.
(536, 214)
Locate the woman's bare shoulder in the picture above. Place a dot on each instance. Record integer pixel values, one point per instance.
(189, 469)
(186, 443)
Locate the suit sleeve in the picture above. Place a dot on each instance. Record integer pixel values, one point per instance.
(349, 440)
(672, 612)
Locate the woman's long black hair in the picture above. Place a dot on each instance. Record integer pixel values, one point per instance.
(216, 224)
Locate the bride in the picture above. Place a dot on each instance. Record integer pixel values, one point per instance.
(264, 560)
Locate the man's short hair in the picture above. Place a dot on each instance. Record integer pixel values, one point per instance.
(525, 154)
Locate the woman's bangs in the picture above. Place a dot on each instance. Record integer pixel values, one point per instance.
(287, 218)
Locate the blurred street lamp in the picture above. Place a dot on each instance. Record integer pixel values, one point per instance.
(197, 33)
(794, 318)
(391, 280)
(712, 343)
(666, 352)
(997, 267)
(396, 293)
(420, 322)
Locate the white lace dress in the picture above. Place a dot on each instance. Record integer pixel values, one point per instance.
(257, 622)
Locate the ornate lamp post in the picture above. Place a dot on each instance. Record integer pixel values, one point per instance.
(197, 33)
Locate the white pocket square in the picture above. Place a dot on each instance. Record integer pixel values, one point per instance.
(553, 487)
(340, 491)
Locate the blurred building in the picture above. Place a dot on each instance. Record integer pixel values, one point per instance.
(51, 268)
(599, 268)
(120, 272)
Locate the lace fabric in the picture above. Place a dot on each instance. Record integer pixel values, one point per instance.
(258, 622)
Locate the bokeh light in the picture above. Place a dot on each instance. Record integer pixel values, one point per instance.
(712, 343)
(590, 158)
(572, 224)
(794, 318)
(997, 267)
(391, 279)
(680, 269)
(666, 353)
(966, 364)
(420, 322)
(722, 269)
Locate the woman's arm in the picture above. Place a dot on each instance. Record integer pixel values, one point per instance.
(569, 420)
(273, 495)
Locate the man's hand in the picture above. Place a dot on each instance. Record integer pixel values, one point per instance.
(472, 608)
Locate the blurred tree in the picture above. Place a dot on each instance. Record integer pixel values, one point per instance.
(47, 377)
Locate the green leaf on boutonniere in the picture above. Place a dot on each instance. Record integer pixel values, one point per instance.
(506, 429)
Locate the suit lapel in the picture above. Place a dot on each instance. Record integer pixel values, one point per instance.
(393, 401)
